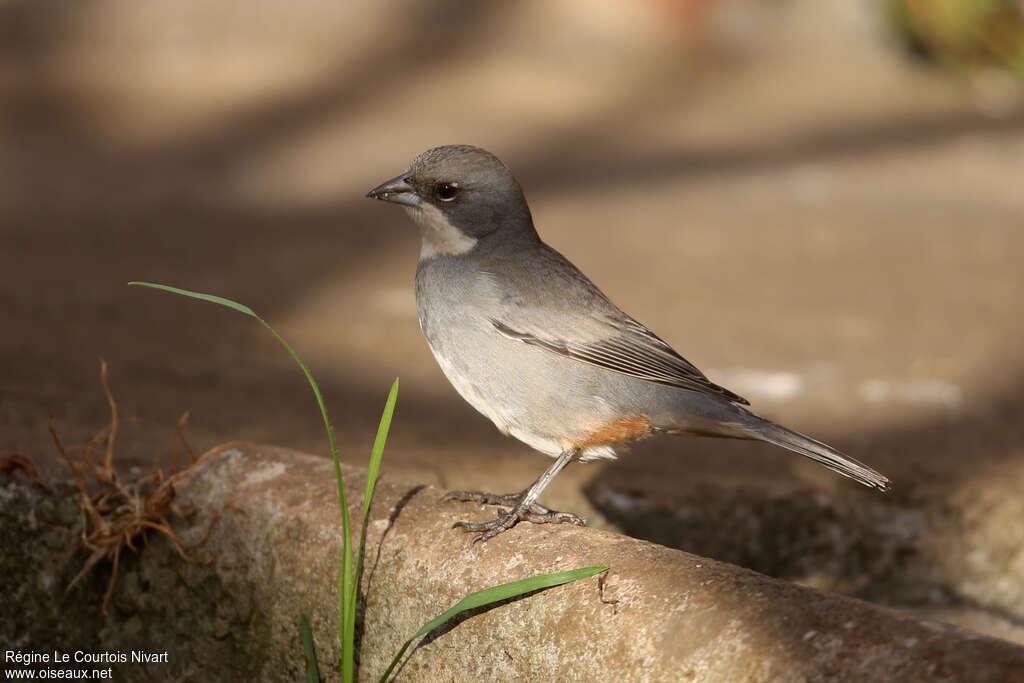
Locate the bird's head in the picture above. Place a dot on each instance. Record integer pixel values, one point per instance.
(460, 196)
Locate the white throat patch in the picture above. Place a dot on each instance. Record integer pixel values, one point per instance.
(439, 236)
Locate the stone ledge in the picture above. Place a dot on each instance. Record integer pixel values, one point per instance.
(659, 614)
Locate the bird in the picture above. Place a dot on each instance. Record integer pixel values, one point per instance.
(531, 343)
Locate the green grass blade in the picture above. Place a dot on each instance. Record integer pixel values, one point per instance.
(241, 308)
(312, 668)
(378, 448)
(371, 483)
(491, 595)
(345, 576)
(346, 630)
(376, 455)
(202, 297)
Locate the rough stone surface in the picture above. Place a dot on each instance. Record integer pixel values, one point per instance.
(658, 614)
(953, 550)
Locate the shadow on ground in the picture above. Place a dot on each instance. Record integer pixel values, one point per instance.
(82, 213)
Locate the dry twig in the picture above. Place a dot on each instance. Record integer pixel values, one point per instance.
(118, 515)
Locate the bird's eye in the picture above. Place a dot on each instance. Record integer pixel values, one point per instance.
(447, 191)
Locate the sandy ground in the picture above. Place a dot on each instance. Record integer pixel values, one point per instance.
(823, 227)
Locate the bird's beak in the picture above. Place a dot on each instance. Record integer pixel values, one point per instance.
(396, 190)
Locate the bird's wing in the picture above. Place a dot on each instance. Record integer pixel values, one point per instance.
(635, 352)
(585, 326)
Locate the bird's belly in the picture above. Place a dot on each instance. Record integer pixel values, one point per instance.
(489, 381)
(548, 402)
(507, 416)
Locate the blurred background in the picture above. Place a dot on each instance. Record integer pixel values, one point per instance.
(820, 204)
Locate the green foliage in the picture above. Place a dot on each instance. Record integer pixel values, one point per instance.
(312, 668)
(352, 563)
(489, 596)
(963, 33)
(349, 575)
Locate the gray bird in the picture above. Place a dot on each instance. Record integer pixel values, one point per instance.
(535, 346)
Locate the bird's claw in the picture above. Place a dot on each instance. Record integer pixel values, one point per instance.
(535, 513)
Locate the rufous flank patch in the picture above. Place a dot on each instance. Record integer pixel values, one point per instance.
(619, 431)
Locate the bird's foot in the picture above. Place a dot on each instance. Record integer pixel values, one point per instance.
(533, 512)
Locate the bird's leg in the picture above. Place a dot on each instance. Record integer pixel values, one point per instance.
(504, 500)
(524, 505)
(507, 499)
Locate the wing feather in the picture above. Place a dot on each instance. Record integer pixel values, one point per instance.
(633, 351)
(545, 301)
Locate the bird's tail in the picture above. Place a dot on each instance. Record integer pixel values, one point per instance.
(765, 430)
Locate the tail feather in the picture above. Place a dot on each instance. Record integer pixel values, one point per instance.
(765, 430)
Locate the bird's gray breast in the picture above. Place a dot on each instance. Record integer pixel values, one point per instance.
(503, 379)
(544, 399)
(452, 303)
